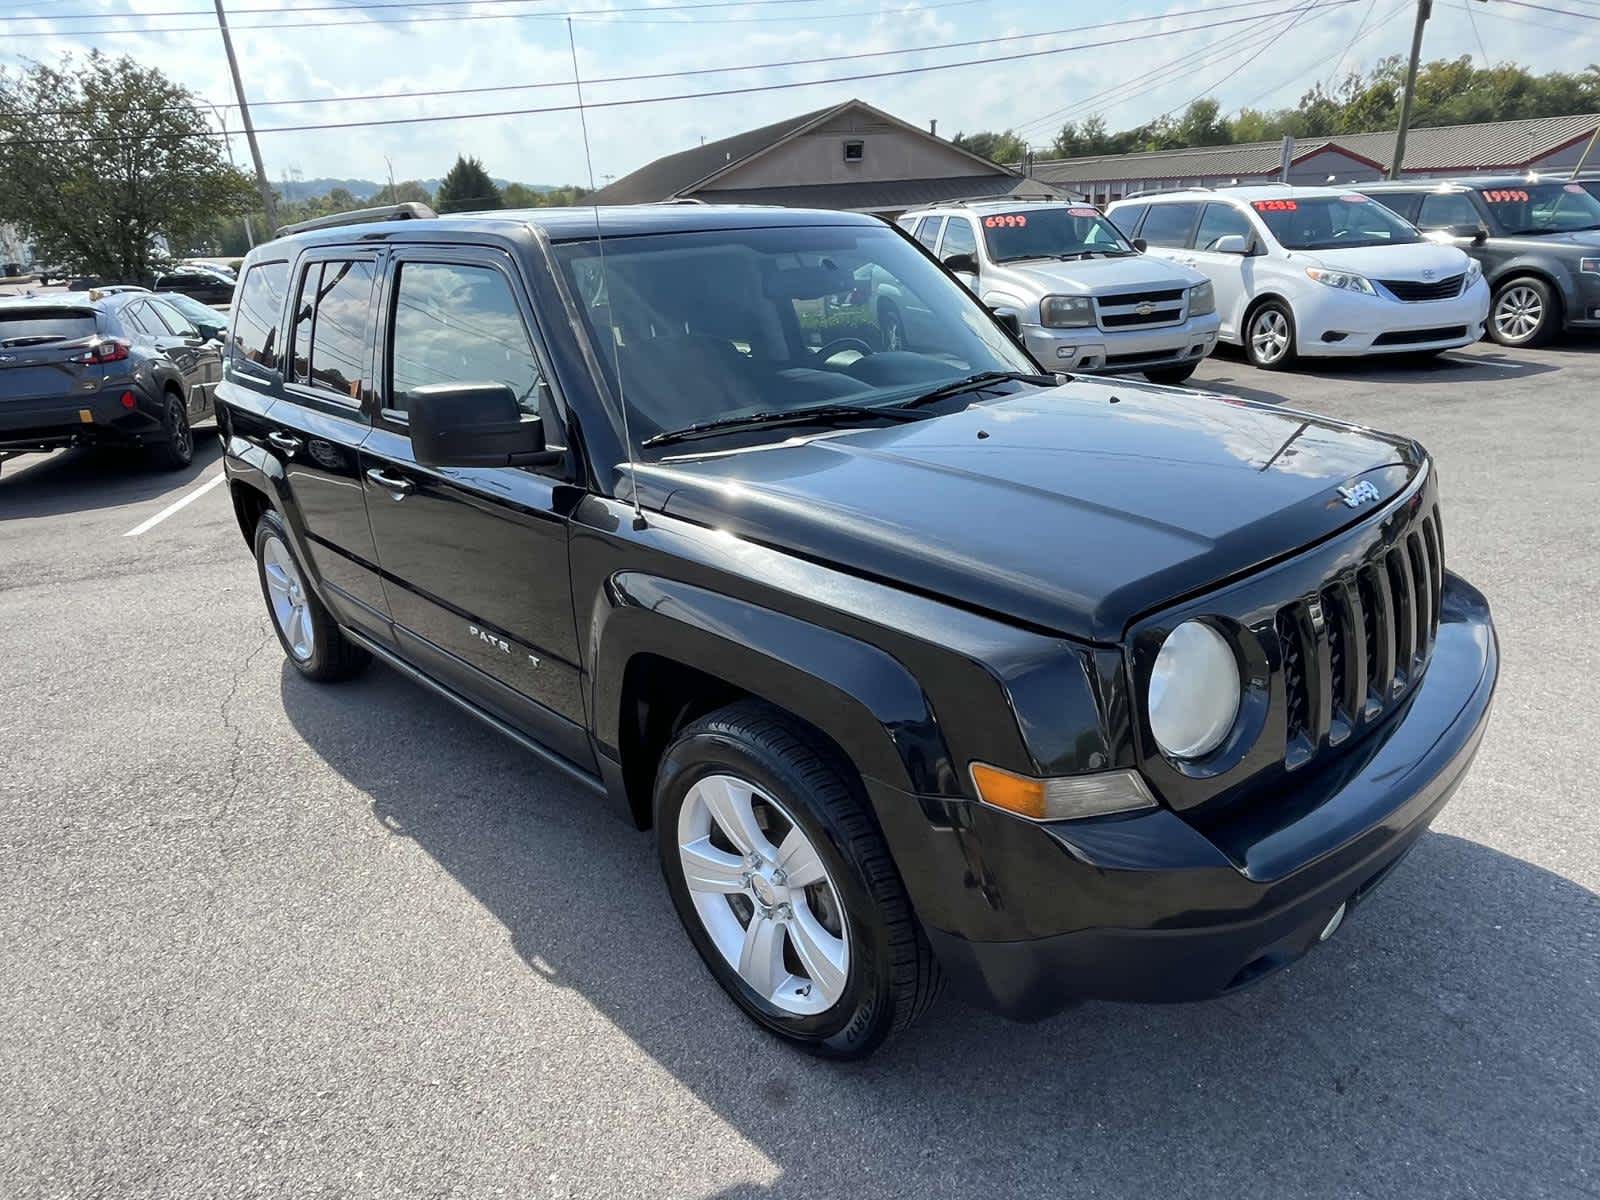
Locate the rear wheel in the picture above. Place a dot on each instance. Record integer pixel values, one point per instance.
(1172, 375)
(785, 885)
(1269, 336)
(313, 642)
(1524, 312)
(176, 451)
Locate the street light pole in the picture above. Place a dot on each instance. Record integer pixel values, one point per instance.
(249, 129)
(1424, 11)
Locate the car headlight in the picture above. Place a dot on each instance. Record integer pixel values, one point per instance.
(1589, 266)
(1475, 271)
(1202, 299)
(1343, 280)
(1194, 691)
(1065, 312)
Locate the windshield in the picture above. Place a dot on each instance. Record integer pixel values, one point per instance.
(44, 325)
(1052, 233)
(1333, 223)
(717, 326)
(1543, 208)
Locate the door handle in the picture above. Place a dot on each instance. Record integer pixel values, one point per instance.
(397, 487)
(284, 442)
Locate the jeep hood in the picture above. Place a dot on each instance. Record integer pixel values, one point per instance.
(1100, 276)
(1075, 509)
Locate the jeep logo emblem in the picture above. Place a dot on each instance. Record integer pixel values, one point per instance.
(1358, 494)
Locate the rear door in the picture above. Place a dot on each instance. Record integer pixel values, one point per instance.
(315, 431)
(196, 356)
(474, 559)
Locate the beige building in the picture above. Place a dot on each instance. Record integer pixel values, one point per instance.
(850, 156)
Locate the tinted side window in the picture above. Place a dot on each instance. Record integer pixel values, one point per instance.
(1443, 209)
(1127, 218)
(339, 335)
(1220, 221)
(959, 239)
(174, 320)
(456, 323)
(134, 316)
(928, 231)
(1169, 224)
(253, 328)
(1403, 204)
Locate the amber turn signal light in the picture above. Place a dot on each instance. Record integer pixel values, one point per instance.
(1065, 798)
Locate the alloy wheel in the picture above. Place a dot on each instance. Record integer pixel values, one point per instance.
(763, 895)
(182, 435)
(1269, 335)
(287, 597)
(1518, 313)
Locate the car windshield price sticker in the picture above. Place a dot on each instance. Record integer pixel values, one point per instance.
(1574, 188)
(1083, 212)
(1351, 198)
(1506, 196)
(1008, 221)
(1274, 205)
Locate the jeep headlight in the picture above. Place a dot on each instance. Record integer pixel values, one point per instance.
(1202, 299)
(1343, 280)
(1065, 312)
(1194, 691)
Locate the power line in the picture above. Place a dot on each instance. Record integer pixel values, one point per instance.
(1389, 16)
(1350, 45)
(358, 6)
(1259, 51)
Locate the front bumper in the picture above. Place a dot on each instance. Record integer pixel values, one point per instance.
(83, 419)
(1342, 324)
(1027, 918)
(1092, 350)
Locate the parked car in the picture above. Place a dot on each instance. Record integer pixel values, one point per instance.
(211, 322)
(201, 283)
(920, 665)
(1086, 300)
(1536, 240)
(1313, 272)
(97, 369)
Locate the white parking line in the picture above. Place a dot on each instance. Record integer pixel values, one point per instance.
(175, 506)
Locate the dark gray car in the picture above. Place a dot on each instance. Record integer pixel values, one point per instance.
(1538, 241)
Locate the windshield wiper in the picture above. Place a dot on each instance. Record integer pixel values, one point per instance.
(782, 416)
(973, 382)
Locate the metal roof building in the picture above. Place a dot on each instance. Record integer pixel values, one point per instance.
(847, 156)
(1539, 144)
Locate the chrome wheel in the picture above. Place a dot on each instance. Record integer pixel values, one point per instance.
(287, 597)
(763, 895)
(1518, 313)
(1269, 335)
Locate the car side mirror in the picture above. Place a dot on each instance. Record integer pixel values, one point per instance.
(1140, 245)
(1472, 230)
(474, 425)
(1232, 243)
(1008, 319)
(961, 264)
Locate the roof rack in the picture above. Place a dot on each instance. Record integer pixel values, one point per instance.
(411, 210)
(1193, 187)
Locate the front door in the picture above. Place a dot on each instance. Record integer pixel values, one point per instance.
(474, 559)
(198, 357)
(1231, 274)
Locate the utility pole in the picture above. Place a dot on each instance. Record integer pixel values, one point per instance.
(394, 196)
(249, 129)
(1424, 11)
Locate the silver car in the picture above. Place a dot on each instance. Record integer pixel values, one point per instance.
(1086, 299)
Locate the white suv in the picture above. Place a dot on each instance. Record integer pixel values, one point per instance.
(1304, 271)
(1085, 300)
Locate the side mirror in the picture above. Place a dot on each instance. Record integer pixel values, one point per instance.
(474, 425)
(1008, 319)
(1232, 243)
(1140, 245)
(961, 264)
(1474, 231)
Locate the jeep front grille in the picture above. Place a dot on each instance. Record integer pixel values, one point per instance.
(1141, 309)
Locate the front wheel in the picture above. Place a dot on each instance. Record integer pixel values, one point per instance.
(785, 885)
(1172, 375)
(1269, 336)
(1524, 312)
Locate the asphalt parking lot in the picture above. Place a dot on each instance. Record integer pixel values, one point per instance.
(265, 938)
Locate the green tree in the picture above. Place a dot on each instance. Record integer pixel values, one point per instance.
(1002, 147)
(108, 166)
(467, 188)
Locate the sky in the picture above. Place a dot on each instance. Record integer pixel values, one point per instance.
(1268, 56)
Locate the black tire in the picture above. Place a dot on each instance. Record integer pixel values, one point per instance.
(1258, 356)
(176, 449)
(892, 974)
(1173, 376)
(331, 656)
(1515, 300)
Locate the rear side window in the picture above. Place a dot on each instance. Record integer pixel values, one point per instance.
(1127, 217)
(1220, 221)
(21, 327)
(1403, 203)
(257, 310)
(928, 231)
(1444, 209)
(459, 323)
(1169, 224)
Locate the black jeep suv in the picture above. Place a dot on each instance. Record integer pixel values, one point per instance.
(1538, 240)
(922, 665)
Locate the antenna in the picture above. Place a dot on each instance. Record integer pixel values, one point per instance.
(605, 282)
